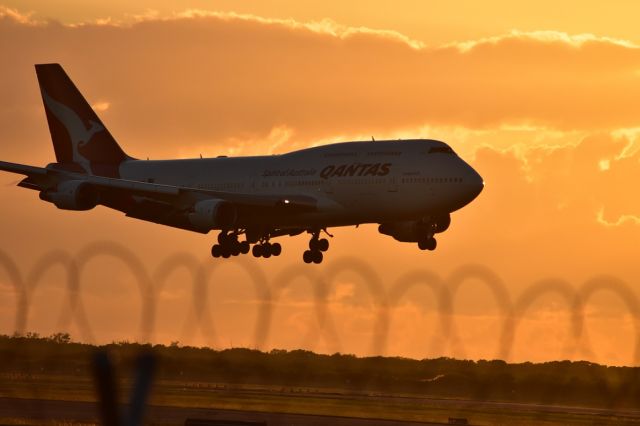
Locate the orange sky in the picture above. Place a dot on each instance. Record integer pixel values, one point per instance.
(541, 99)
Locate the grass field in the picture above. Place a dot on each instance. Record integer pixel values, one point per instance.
(314, 401)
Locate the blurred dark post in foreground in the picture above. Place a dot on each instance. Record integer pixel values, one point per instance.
(105, 382)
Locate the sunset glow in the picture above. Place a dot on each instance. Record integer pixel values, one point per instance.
(542, 100)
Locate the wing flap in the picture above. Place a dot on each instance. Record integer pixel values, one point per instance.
(182, 196)
(133, 186)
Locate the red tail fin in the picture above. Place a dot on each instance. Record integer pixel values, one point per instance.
(78, 135)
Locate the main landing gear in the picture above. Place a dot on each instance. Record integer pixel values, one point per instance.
(266, 249)
(317, 245)
(228, 245)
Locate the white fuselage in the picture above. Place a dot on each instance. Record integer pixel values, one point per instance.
(353, 182)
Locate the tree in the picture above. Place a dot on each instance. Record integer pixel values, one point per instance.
(60, 338)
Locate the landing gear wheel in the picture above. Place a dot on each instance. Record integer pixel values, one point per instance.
(276, 249)
(317, 257)
(428, 244)
(313, 244)
(432, 244)
(266, 250)
(257, 250)
(323, 244)
(245, 247)
(235, 249)
(226, 253)
(216, 250)
(307, 256)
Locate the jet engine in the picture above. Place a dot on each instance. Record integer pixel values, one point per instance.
(406, 232)
(213, 214)
(72, 195)
(412, 231)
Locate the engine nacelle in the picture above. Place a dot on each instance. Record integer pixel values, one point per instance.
(213, 214)
(412, 231)
(72, 195)
(406, 232)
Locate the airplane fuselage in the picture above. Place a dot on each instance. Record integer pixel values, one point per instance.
(353, 182)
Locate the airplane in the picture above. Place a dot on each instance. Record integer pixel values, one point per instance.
(408, 187)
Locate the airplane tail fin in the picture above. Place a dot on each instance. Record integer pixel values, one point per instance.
(79, 137)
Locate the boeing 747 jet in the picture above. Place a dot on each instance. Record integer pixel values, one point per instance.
(408, 187)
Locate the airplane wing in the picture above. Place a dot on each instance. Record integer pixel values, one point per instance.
(40, 178)
(185, 195)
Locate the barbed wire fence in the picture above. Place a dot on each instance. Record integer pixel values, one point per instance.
(386, 297)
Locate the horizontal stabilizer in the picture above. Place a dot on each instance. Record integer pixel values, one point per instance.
(22, 169)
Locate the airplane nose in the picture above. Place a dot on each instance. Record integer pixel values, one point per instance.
(475, 183)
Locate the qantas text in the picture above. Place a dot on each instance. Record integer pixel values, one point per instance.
(356, 169)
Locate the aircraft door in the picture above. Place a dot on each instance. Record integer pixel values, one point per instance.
(392, 184)
(327, 186)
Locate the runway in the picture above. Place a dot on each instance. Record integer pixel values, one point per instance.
(86, 412)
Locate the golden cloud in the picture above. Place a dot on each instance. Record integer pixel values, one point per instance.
(213, 78)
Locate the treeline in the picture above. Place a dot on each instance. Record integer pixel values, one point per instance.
(559, 382)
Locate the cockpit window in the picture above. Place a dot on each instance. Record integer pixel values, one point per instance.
(441, 149)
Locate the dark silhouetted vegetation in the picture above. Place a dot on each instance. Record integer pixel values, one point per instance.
(560, 382)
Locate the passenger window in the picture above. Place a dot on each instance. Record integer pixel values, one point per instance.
(441, 150)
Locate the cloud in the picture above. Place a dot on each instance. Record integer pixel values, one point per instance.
(206, 78)
(17, 16)
(574, 40)
(325, 26)
(621, 220)
(576, 177)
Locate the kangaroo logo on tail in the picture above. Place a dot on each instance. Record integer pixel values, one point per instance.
(79, 134)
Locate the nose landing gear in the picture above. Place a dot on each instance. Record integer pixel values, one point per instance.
(437, 225)
(428, 243)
